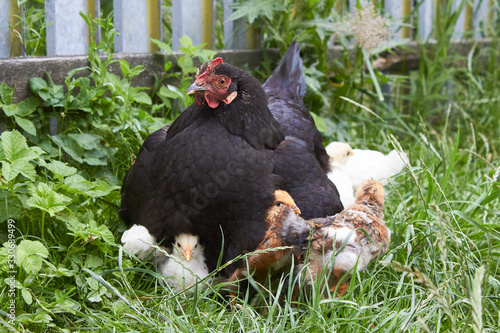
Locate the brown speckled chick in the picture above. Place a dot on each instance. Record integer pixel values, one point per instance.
(352, 228)
(269, 262)
(341, 242)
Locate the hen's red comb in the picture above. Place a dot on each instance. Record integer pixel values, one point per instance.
(213, 63)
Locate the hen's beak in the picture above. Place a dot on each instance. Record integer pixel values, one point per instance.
(188, 253)
(196, 87)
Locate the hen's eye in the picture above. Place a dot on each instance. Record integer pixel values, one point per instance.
(222, 81)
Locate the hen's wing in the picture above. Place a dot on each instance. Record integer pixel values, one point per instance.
(285, 89)
(137, 186)
(207, 191)
(300, 174)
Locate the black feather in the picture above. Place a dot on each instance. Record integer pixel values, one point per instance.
(285, 89)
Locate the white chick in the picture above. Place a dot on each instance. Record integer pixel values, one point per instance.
(187, 265)
(340, 153)
(370, 164)
(137, 240)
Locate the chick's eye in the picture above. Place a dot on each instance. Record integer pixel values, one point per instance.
(178, 245)
(278, 203)
(222, 81)
(196, 246)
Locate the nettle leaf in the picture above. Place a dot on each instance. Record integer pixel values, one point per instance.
(17, 156)
(26, 125)
(28, 106)
(29, 256)
(93, 261)
(124, 66)
(104, 232)
(78, 184)
(102, 188)
(46, 199)
(253, 9)
(15, 147)
(70, 146)
(12, 208)
(94, 161)
(61, 169)
(141, 97)
(86, 141)
(11, 170)
(69, 218)
(36, 84)
(164, 46)
(6, 93)
(10, 110)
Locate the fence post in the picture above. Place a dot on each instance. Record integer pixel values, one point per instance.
(235, 32)
(193, 18)
(67, 32)
(4, 28)
(399, 11)
(132, 26)
(462, 21)
(481, 17)
(94, 11)
(154, 23)
(426, 12)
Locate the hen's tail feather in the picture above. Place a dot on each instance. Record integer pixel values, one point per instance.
(288, 74)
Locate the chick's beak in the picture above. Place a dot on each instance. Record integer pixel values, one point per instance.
(196, 87)
(188, 253)
(296, 209)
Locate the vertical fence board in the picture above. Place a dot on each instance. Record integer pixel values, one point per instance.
(67, 33)
(425, 19)
(208, 23)
(187, 19)
(94, 11)
(460, 25)
(131, 23)
(4, 28)
(154, 23)
(398, 9)
(480, 18)
(235, 32)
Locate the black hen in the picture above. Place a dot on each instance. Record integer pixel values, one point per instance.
(285, 89)
(214, 172)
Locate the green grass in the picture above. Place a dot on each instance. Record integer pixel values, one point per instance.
(440, 273)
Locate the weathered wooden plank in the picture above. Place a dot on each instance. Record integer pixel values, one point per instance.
(154, 23)
(399, 11)
(235, 32)
(461, 24)
(4, 28)
(208, 23)
(94, 11)
(480, 19)
(187, 19)
(426, 18)
(67, 32)
(130, 18)
(18, 71)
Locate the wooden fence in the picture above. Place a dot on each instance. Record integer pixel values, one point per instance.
(67, 35)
